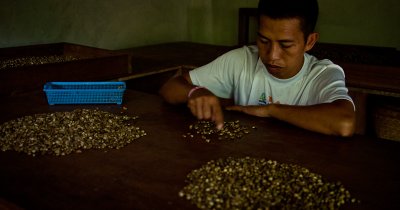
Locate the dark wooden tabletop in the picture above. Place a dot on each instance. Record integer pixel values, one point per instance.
(149, 172)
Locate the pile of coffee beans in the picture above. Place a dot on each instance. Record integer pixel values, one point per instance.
(252, 183)
(34, 60)
(62, 133)
(206, 130)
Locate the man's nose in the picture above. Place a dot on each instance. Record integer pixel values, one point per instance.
(274, 52)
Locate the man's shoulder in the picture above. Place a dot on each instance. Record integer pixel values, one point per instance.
(314, 62)
(251, 50)
(318, 66)
(246, 55)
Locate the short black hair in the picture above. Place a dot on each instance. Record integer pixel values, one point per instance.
(305, 10)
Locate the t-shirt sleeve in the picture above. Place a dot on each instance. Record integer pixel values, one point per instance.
(219, 75)
(330, 85)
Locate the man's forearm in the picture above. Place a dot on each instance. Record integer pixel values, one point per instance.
(336, 118)
(175, 90)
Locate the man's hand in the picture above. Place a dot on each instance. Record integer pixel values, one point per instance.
(202, 103)
(206, 106)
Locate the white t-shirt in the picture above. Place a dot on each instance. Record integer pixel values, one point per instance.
(240, 74)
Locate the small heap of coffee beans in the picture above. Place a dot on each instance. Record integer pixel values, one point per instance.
(207, 131)
(61, 133)
(252, 183)
(34, 60)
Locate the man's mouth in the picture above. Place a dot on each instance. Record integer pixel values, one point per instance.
(273, 67)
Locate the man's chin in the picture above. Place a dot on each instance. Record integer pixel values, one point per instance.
(278, 73)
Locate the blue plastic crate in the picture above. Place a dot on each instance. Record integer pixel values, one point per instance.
(84, 92)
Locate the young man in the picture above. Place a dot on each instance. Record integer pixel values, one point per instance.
(276, 78)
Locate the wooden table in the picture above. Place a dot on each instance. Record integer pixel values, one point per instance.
(149, 173)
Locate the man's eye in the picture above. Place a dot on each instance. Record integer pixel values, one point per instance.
(286, 45)
(265, 41)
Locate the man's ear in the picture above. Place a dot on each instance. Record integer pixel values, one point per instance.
(311, 40)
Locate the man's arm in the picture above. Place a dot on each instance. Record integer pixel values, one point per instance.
(202, 103)
(176, 89)
(336, 118)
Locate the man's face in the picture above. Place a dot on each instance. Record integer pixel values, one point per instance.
(282, 46)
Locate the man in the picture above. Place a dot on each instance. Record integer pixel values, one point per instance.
(276, 78)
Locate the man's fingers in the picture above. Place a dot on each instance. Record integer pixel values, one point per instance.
(218, 117)
(192, 108)
(207, 112)
(207, 108)
(199, 110)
